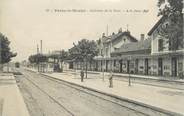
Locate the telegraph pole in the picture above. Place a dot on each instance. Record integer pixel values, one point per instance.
(127, 27)
(129, 80)
(37, 57)
(37, 49)
(41, 55)
(107, 30)
(40, 46)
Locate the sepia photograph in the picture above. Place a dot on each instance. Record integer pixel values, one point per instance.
(91, 58)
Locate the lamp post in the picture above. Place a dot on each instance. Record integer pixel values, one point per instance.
(103, 58)
(88, 57)
(41, 63)
(86, 65)
(111, 73)
(103, 66)
(37, 58)
(129, 80)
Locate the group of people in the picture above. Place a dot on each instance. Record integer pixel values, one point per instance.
(110, 78)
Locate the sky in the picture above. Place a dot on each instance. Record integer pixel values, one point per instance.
(26, 22)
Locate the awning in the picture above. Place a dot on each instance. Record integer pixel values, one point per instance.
(143, 56)
(124, 57)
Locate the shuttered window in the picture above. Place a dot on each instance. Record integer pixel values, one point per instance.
(160, 45)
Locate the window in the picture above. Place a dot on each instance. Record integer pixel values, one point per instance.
(124, 39)
(141, 67)
(106, 50)
(131, 65)
(160, 45)
(166, 67)
(124, 65)
(114, 63)
(154, 66)
(169, 44)
(180, 67)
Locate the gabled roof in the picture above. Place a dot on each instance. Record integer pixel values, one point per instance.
(106, 39)
(134, 46)
(156, 25)
(116, 36)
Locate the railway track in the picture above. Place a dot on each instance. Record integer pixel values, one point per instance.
(76, 88)
(126, 103)
(51, 97)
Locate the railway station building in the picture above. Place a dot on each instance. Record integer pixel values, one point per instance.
(151, 55)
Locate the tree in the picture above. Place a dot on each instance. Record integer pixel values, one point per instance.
(59, 56)
(63, 55)
(5, 53)
(32, 59)
(84, 51)
(171, 10)
(37, 59)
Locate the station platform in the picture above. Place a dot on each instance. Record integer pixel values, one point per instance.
(11, 100)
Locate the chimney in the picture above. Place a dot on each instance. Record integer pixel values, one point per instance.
(120, 30)
(142, 37)
(103, 34)
(127, 32)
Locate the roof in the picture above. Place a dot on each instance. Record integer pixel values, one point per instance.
(134, 46)
(116, 36)
(156, 25)
(106, 39)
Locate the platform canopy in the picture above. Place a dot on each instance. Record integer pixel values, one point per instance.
(143, 56)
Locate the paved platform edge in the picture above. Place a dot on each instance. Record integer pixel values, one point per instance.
(25, 107)
(135, 76)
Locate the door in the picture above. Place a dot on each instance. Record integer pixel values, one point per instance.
(101, 65)
(160, 67)
(128, 66)
(96, 68)
(120, 62)
(136, 66)
(174, 67)
(146, 66)
(106, 65)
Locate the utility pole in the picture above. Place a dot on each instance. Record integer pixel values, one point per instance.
(110, 56)
(129, 80)
(107, 30)
(37, 57)
(127, 27)
(103, 68)
(41, 55)
(40, 46)
(86, 66)
(1, 65)
(37, 49)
